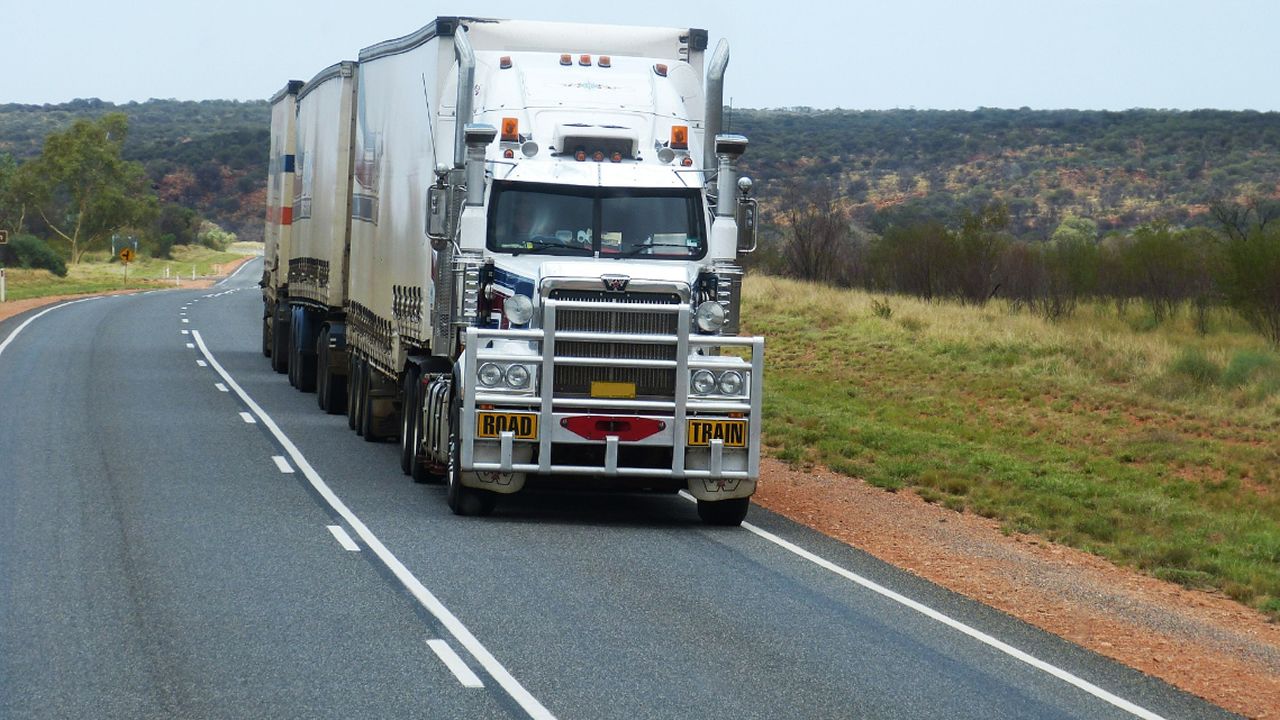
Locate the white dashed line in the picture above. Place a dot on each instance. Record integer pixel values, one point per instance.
(221, 387)
(411, 583)
(202, 363)
(185, 320)
(454, 663)
(191, 345)
(186, 332)
(248, 418)
(344, 539)
(282, 463)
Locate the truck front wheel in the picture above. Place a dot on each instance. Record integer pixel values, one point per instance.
(724, 512)
(462, 499)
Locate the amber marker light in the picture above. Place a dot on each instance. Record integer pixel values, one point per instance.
(605, 61)
(679, 137)
(566, 59)
(510, 129)
(504, 62)
(660, 69)
(584, 60)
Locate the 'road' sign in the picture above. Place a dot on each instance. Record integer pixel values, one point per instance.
(127, 255)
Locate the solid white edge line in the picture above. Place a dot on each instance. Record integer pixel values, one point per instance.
(33, 318)
(972, 632)
(221, 387)
(342, 537)
(455, 664)
(281, 463)
(415, 587)
(237, 272)
(247, 418)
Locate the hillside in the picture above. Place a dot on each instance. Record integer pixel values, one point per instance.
(1121, 169)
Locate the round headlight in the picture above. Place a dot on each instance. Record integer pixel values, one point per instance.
(518, 309)
(710, 316)
(490, 375)
(702, 382)
(730, 383)
(518, 377)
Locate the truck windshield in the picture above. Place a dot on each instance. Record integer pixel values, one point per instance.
(604, 222)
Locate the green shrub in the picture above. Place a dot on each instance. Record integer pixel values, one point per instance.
(1194, 365)
(33, 252)
(1248, 365)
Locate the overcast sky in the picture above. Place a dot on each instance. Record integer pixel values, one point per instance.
(860, 54)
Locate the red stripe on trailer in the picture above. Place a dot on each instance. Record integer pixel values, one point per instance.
(286, 215)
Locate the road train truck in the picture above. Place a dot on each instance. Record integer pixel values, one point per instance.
(514, 246)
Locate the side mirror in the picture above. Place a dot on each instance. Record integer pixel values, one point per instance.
(745, 217)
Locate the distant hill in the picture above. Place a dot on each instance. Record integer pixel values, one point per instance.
(1121, 169)
(210, 156)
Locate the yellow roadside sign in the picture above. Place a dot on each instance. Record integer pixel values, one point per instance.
(126, 255)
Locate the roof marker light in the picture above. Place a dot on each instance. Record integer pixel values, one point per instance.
(584, 60)
(598, 156)
(605, 61)
(580, 155)
(616, 157)
(660, 69)
(510, 129)
(566, 59)
(504, 62)
(686, 161)
(679, 137)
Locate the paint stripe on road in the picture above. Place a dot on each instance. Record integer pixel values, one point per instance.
(191, 345)
(221, 387)
(282, 463)
(33, 318)
(455, 664)
(202, 363)
(343, 538)
(248, 418)
(950, 622)
(412, 584)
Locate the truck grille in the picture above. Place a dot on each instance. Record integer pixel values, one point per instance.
(575, 380)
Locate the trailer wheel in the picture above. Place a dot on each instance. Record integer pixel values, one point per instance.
(362, 369)
(724, 512)
(368, 423)
(410, 418)
(462, 499)
(294, 326)
(353, 378)
(322, 369)
(305, 375)
(266, 335)
(280, 339)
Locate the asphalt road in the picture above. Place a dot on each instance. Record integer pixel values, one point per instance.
(163, 557)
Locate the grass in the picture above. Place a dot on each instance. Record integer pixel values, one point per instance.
(1149, 444)
(99, 273)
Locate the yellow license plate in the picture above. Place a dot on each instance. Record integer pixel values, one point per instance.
(613, 390)
(732, 432)
(493, 424)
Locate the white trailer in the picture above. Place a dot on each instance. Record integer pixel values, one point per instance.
(543, 279)
(321, 234)
(277, 235)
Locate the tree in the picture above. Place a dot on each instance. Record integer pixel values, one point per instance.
(82, 189)
(818, 232)
(12, 208)
(1250, 278)
(979, 245)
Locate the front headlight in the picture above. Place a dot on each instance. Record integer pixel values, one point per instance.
(730, 383)
(490, 375)
(710, 316)
(518, 309)
(702, 382)
(518, 377)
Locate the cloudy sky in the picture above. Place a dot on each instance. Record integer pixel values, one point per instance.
(861, 54)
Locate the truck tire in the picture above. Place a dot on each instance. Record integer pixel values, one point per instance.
(362, 370)
(293, 350)
(724, 512)
(368, 423)
(463, 500)
(280, 339)
(304, 377)
(322, 369)
(266, 335)
(410, 420)
(353, 377)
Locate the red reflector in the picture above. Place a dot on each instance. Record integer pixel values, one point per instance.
(584, 60)
(627, 429)
(686, 161)
(660, 69)
(504, 62)
(508, 153)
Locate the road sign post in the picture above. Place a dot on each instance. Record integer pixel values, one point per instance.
(126, 256)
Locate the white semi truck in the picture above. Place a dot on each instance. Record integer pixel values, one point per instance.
(535, 273)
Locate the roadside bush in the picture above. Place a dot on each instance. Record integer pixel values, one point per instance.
(1194, 365)
(32, 252)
